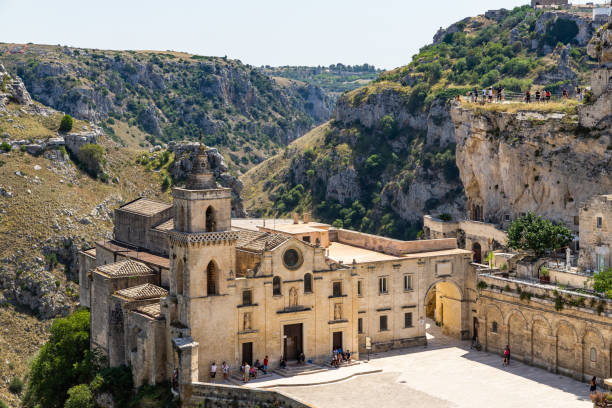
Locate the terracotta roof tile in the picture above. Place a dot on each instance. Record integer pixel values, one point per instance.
(152, 310)
(125, 268)
(166, 225)
(259, 241)
(140, 292)
(146, 206)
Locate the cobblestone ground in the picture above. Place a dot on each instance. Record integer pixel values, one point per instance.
(447, 374)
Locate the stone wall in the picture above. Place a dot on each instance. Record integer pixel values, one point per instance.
(222, 396)
(393, 246)
(574, 340)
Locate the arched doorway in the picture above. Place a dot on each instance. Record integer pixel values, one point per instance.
(443, 308)
(477, 252)
(211, 279)
(211, 224)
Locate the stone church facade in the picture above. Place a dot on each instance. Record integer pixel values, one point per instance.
(183, 285)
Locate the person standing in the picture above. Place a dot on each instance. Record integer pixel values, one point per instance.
(213, 371)
(507, 355)
(246, 372)
(593, 386)
(265, 365)
(225, 368)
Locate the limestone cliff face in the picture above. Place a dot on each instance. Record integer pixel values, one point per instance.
(512, 163)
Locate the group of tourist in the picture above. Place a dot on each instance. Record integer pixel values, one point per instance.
(340, 357)
(224, 369)
(489, 94)
(250, 371)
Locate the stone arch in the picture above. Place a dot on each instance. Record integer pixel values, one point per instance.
(178, 273)
(569, 361)
(449, 307)
(518, 334)
(212, 276)
(494, 319)
(542, 345)
(211, 221)
(593, 351)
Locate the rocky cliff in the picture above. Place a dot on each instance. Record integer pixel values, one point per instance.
(514, 162)
(389, 151)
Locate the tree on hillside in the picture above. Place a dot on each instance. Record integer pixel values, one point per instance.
(63, 362)
(532, 232)
(91, 157)
(66, 124)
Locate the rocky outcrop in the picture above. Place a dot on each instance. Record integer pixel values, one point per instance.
(74, 141)
(186, 152)
(584, 24)
(512, 163)
(12, 89)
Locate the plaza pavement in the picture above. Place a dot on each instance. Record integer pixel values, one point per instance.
(446, 373)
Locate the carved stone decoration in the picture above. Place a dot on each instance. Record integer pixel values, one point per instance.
(338, 311)
(293, 297)
(246, 321)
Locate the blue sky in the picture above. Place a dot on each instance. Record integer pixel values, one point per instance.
(315, 32)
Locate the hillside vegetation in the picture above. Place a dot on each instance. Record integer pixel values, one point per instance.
(164, 96)
(387, 157)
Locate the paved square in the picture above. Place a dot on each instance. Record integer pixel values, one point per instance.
(446, 374)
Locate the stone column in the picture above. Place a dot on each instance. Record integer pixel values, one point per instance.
(188, 365)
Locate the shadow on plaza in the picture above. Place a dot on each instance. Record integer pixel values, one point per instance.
(438, 341)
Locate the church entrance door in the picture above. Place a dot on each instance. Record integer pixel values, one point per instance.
(292, 341)
(247, 353)
(337, 340)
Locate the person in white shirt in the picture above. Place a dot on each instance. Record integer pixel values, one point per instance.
(213, 371)
(247, 369)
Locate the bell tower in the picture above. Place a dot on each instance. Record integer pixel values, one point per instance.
(202, 245)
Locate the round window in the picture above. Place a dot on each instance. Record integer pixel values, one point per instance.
(292, 258)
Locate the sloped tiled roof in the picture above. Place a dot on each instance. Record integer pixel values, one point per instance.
(125, 268)
(166, 225)
(152, 310)
(140, 292)
(259, 241)
(146, 206)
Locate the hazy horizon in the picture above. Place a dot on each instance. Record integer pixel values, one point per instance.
(272, 32)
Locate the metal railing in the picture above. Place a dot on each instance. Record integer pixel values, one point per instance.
(509, 96)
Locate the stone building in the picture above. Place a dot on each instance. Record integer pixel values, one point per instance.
(184, 285)
(596, 233)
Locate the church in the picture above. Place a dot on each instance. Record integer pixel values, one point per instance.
(184, 285)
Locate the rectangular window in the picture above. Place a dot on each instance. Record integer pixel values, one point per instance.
(407, 282)
(360, 325)
(576, 220)
(247, 297)
(507, 217)
(359, 288)
(599, 222)
(383, 323)
(407, 320)
(306, 239)
(382, 285)
(337, 289)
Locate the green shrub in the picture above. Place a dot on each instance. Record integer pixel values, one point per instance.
(16, 385)
(3, 404)
(61, 363)
(5, 147)
(166, 183)
(66, 124)
(79, 396)
(91, 158)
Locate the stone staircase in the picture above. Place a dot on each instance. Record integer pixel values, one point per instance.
(352, 363)
(235, 377)
(300, 369)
